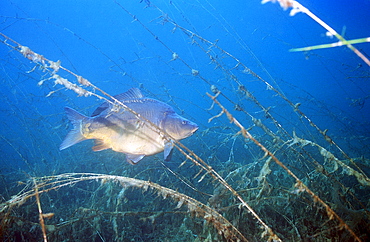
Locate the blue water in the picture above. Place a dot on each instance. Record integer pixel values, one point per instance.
(124, 44)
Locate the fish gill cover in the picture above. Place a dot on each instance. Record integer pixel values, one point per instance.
(279, 91)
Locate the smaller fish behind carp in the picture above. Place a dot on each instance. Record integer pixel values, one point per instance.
(123, 132)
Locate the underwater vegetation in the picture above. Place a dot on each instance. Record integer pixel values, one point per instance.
(282, 141)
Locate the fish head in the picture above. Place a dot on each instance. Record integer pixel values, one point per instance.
(178, 127)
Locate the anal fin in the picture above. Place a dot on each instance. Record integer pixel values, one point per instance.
(100, 145)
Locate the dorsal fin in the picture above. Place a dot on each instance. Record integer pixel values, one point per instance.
(132, 93)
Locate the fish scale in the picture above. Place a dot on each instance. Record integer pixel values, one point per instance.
(123, 132)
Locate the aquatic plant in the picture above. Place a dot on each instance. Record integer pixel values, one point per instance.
(298, 8)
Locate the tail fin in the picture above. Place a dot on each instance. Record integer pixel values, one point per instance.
(74, 136)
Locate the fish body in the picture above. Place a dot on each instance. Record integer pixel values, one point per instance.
(121, 131)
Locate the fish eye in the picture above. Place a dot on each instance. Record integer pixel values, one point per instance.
(184, 122)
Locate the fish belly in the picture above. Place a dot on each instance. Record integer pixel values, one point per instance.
(138, 143)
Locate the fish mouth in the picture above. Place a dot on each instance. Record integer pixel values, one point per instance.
(195, 129)
(191, 132)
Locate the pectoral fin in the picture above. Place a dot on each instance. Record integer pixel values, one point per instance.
(168, 150)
